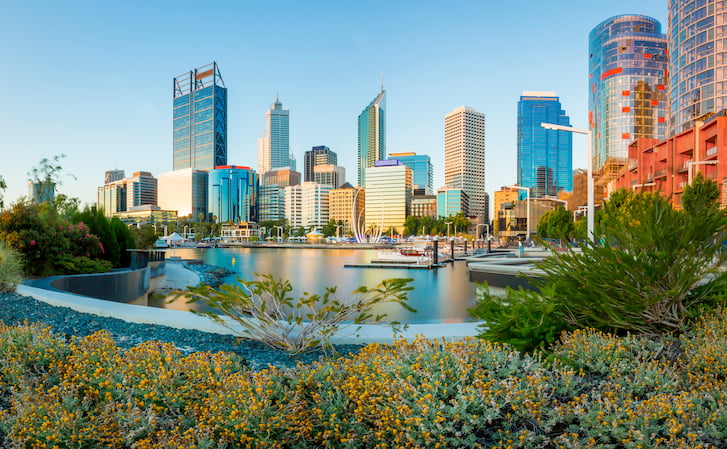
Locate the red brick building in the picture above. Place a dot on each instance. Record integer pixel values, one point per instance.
(666, 166)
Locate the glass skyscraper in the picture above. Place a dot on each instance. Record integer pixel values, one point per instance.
(200, 119)
(627, 87)
(274, 145)
(233, 194)
(544, 156)
(697, 60)
(320, 155)
(371, 135)
(421, 167)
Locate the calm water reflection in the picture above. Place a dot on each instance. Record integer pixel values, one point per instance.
(441, 295)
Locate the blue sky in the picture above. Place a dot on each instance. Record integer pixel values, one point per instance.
(93, 80)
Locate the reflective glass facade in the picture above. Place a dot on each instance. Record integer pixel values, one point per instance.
(200, 119)
(184, 191)
(451, 202)
(544, 156)
(627, 86)
(697, 60)
(421, 167)
(271, 203)
(233, 194)
(274, 146)
(371, 135)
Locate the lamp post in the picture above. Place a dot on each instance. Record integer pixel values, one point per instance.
(591, 201)
(691, 164)
(448, 223)
(280, 232)
(527, 204)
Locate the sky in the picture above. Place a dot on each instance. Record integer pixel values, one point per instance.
(93, 80)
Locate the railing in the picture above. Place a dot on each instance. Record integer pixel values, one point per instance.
(660, 173)
(633, 165)
(712, 151)
(649, 177)
(684, 166)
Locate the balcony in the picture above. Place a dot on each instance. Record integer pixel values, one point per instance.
(650, 177)
(681, 185)
(660, 173)
(684, 167)
(712, 151)
(633, 164)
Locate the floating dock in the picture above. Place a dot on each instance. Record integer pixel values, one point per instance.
(379, 264)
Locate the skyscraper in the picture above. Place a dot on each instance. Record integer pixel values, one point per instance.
(421, 167)
(464, 155)
(697, 61)
(544, 156)
(232, 194)
(200, 119)
(627, 88)
(371, 135)
(320, 155)
(274, 145)
(388, 196)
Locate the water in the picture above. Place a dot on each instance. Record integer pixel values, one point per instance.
(439, 296)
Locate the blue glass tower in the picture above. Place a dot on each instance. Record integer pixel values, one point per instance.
(544, 156)
(371, 135)
(233, 192)
(421, 167)
(200, 119)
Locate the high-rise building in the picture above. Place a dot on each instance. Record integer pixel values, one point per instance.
(341, 207)
(506, 195)
(330, 175)
(232, 194)
(388, 195)
(274, 145)
(421, 167)
(451, 201)
(320, 155)
(113, 175)
(293, 206)
(282, 177)
(464, 155)
(627, 88)
(200, 119)
(272, 198)
(371, 135)
(314, 204)
(544, 156)
(697, 61)
(124, 194)
(184, 191)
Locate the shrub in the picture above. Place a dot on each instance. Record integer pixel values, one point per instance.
(11, 273)
(268, 314)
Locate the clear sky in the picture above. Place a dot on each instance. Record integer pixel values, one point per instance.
(93, 79)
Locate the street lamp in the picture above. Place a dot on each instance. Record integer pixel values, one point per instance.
(591, 201)
(691, 164)
(280, 232)
(527, 204)
(448, 223)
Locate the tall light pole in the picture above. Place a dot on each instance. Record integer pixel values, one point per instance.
(589, 155)
(527, 204)
(691, 164)
(448, 223)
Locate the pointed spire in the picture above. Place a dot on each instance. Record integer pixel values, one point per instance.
(277, 97)
(382, 81)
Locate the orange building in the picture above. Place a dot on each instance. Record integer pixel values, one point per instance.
(667, 166)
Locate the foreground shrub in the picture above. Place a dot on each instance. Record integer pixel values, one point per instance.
(11, 273)
(268, 314)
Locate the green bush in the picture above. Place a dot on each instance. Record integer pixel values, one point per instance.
(11, 273)
(267, 313)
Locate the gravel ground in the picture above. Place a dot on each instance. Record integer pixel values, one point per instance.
(15, 309)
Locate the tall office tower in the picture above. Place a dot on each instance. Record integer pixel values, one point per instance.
(124, 194)
(544, 156)
(421, 167)
(451, 201)
(184, 191)
(388, 195)
(320, 155)
(627, 88)
(200, 119)
(113, 175)
(271, 198)
(274, 145)
(232, 194)
(464, 155)
(697, 61)
(282, 177)
(292, 206)
(371, 135)
(314, 205)
(330, 175)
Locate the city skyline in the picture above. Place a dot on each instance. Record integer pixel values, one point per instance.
(121, 118)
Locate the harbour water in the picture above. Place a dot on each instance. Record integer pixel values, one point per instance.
(439, 296)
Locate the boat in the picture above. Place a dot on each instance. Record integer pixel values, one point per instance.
(161, 243)
(404, 255)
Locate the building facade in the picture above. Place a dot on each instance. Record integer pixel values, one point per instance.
(421, 168)
(697, 61)
(504, 195)
(124, 194)
(314, 205)
(330, 175)
(464, 155)
(184, 191)
(627, 88)
(320, 155)
(544, 156)
(452, 201)
(274, 145)
(200, 119)
(232, 194)
(371, 135)
(423, 205)
(388, 196)
(343, 205)
(293, 206)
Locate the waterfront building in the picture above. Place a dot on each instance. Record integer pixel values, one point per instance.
(544, 156)
(423, 204)
(388, 196)
(451, 201)
(113, 175)
(502, 196)
(271, 197)
(293, 206)
(282, 177)
(274, 145)
(320, 155)
(421, 168)
(371, 135)
(121, 195)
(200, 119)
(240, 232)
(627, 89)
(184, 191)
(329, 174)
(512, 218)
(147, 214)
(232, 194)
(697, 61)
(344, 204)
(314, 205)
(464, 155)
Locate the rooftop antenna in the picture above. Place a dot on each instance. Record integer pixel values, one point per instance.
(277, 97)
(382, 81)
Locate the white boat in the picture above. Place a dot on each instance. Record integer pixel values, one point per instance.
(404, 255)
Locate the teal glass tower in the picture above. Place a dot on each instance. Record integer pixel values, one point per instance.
(200, 119)
(233, 194)
(371, 135)
(421, 168)
(544, 156)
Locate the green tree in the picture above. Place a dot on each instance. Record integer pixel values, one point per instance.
(412, 225)
(329, 229)
(65, 206)
(700, 196)
(460, 223)
(3, 186)
(47, 175)
(556, 224)
(144, 236)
